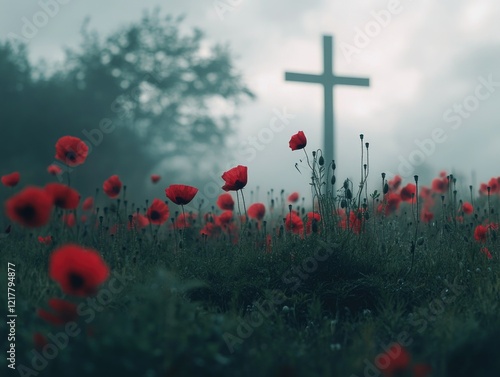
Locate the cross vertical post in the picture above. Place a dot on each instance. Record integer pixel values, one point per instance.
(328, 80)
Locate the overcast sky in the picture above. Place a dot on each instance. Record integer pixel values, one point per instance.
(433, 65)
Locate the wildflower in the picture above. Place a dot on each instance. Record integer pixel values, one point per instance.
(235, 178)
(158, 212)
(63, 196)
(298, 141)
(79, 271)
(11, 180)
(31, 207)
(155, 178)
(62, 312)
(181, 194)
(71, 150)
(112, 186)
(257, 211)
(225, 202)
(293, 197)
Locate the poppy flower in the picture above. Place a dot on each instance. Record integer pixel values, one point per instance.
(467, 208)
(62, 312)
(426, 216)
(225, 218)
(440, 185)
(69, 219)
(158, 212)
(112, 186)
(486, 252)
(71, 150)
(184, 220)
(210, 230)
(293, 223)
(408, 192)
(393, 362)
(155, 178)
(45, 240)
(392, 203)
(54, 170)
(355, 223)
(225, 202)
(31, 207)
(11, 180)
(293, 197)
(481, 233)
(63, 196)
(256, 211)
(79, 271)
(137, 221)
(298, 141)
(181, 194)
(395, 182)
(88, 204)
(235, 178)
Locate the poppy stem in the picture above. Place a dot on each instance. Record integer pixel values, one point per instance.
(244, 205)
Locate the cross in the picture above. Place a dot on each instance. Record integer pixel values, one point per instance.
(328, 80)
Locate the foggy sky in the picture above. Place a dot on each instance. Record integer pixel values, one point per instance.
(429, 65)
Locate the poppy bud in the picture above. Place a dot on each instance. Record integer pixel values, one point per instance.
(367, 216)
(367, 145)
(416, 178)
(346, 184)
(321, 161)
(383, 175)
(343, 203)
(314, 154)
(348, 194)
(386, 188)
(333, 180)
(333, 165)
(361, 136)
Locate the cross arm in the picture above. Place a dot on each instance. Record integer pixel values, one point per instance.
(303, 77)
(351, 81)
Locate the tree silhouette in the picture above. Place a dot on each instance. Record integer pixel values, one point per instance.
(143, 94)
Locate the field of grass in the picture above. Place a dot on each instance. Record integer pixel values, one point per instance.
(365, 289)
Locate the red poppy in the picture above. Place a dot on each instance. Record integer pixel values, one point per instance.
(11, 180)
(486, 252)
(355, 223)
(298, 141)
(312, 217)
(54, 170)
(62, 312)
(426, 216)
(31, 207)
(79, 271)
(481, 233)
(225, 202)
(39, 341)
(71, 150)
(63, 196)
(210, 230)
(112, 186)
(69, 219)
(185, 220)
(395, 183)
(181, 194)
(440, 185)
(235, 178)
(225, 218)
(393, 362)
(158, 212)
(494, 185)
(257, 211)
(88, 204)
(138, 221)
(408, 192)
(467, 208)
(392, 201)
(294, 223)
(45, 240)
(155, 178)
(293, 197)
